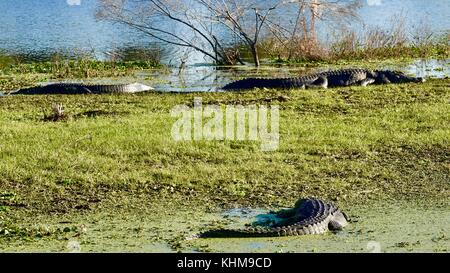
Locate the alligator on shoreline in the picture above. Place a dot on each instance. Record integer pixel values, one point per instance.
(79, 88)
(336, 78)
(309, 216)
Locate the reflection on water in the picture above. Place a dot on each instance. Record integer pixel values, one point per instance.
(430, 68)
(207, 78)
(211, 78)
(50, 25)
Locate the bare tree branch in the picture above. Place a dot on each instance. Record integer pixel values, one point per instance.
(208, 25)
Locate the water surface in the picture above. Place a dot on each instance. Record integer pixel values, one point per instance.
(53, 25)
(375, 227)
(207, 78)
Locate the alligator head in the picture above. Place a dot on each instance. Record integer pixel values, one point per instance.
(387, 76)
(338, 221)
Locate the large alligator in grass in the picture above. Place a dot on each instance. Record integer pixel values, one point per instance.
(79, 88)
(309, 216)
(337, 78)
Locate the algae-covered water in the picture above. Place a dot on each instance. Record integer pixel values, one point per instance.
(378, 229)
(406, 227)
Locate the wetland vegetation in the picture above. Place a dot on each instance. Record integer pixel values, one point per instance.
(106, 176)
(352, 145)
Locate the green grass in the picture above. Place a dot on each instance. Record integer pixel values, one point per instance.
(15, 74)
(348, 144)
(437, 50)
(81, 68)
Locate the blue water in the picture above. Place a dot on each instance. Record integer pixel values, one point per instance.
(50, 25)
(30, 25)
(418, 13)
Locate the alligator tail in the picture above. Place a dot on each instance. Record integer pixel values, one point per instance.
(293, 230)
(239, 233)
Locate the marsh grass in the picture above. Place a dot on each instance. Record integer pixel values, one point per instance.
(22, 70)
(372, 43)
(82, 68)
(22, 75)
(350, 48)
(381, 45)
(348, 144)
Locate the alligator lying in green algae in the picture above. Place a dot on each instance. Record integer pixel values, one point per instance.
(79, 88)
(337, 78)
(309, 216)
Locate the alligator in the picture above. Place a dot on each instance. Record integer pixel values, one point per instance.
(334, 78)
(79, 88)
(309, 216)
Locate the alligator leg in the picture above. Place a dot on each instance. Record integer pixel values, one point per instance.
(87, 90)
(320, 82)
(286, 221)
(366, 82)
(77, 90)
(338, 221)
(382, 79)
(286, 213)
